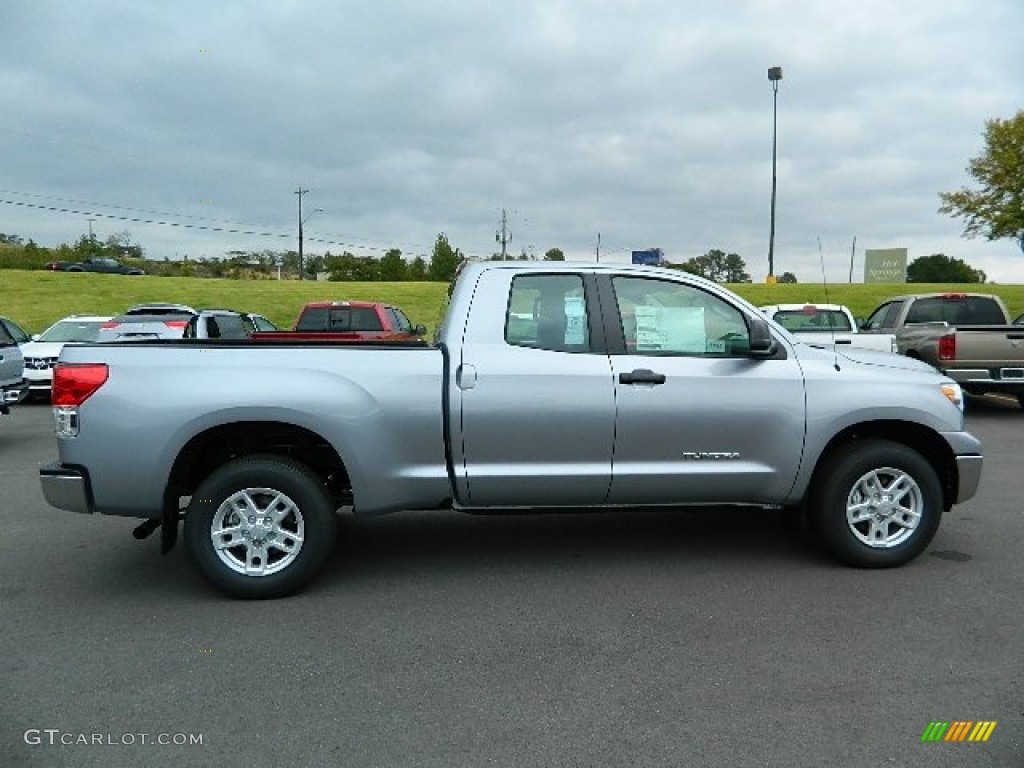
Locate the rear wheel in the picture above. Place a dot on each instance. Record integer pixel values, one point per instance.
(260, 527)
(876, 504)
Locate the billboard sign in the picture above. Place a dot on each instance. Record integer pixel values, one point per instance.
(885, 265)
(652, 257)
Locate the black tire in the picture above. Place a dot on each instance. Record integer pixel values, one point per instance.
(1020, 399)
(260, 557)
(889, 536)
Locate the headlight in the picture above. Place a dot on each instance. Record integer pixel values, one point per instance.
(952, 391)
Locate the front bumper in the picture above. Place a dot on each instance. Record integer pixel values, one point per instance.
(66, 487)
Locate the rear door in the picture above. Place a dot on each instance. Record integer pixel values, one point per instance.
(699, 420)
(534, 393)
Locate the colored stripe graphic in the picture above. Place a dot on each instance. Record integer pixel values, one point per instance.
(958, 730)
(935, 731)
(983, 730)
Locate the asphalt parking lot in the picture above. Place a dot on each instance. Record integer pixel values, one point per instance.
(715, 638)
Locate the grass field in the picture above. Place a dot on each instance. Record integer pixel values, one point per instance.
(34, 299)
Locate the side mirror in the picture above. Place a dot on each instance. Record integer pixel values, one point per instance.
(34, 337)
(762, 343)
(419, 330)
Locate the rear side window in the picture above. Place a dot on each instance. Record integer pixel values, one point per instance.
(548, 312)
(5, 337)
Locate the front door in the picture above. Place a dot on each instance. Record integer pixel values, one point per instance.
(699, 420)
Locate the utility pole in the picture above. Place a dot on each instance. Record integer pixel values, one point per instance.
(300, 192)
(503, 236)
(91, 238)
(597, 251)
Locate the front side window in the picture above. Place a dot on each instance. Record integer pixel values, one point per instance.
(401, 322)
(665, 318)
(548, 312)
(883, 317)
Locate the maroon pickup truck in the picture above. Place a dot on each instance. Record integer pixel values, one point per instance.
(349, 321)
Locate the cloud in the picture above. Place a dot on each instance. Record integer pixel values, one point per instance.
(648, 122)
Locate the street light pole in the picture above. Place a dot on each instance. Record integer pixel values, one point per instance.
(774, 76)
(300, 192)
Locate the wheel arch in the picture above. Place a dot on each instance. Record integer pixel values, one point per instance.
(217, 445)
(926, 442)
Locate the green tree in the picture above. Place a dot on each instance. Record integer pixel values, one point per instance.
(444, 260)
(940, 268)
(314, 265)
(554, 254)
(392, 266)
(417, 270)
(787, 277)
(996, 209)
(348, 267)
(719, 266)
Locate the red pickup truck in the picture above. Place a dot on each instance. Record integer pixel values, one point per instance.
(349, 321)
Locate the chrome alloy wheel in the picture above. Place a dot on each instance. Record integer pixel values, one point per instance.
(884, 507)
(257, 531)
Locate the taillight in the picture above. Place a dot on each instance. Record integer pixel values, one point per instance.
(947, 347)
(74, 383)
(109, 324)
(175, 323)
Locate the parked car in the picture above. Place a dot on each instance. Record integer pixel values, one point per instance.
(148, 321)
(701, 400)
(226, 324)
(827, 324)
(15, 331)
(13, 386)
(967, 336)
(42, 351)
(94, 264)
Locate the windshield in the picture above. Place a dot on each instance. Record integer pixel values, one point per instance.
(72, 330)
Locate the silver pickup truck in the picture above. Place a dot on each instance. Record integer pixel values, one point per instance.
(547, 387)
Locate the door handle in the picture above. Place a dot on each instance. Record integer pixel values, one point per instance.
(642, 376)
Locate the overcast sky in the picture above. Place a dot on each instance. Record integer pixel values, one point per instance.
(647, 121)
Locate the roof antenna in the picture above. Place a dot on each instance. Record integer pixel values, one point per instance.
(831, 325)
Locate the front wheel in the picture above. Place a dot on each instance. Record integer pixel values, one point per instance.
(876, 504)
(260, 527)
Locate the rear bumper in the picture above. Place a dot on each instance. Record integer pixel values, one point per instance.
(981, 380)
(66, 487)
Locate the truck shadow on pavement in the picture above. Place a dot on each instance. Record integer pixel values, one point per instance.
(426, 542)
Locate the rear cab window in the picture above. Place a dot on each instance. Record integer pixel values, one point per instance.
(813, 319)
